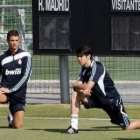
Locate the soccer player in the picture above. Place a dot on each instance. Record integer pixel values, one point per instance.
(95, 89)
(15, 70)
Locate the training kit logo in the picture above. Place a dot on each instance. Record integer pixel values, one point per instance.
(53, 5)
(19, 61)
(125, 5)
(17, 71)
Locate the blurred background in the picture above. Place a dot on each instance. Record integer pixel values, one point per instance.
(44, 84)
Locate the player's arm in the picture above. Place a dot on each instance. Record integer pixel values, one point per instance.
(97, 71)
(0, 66)
(84, 88)
(80, 86)
(76, 83)
(2, 89)
(26, 72)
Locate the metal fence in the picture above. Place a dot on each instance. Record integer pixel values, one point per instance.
(45, 79)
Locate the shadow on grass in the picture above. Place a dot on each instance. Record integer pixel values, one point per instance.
(126, 138)
(49, 130)
(107, 128)
(92, 129)
(4, 127)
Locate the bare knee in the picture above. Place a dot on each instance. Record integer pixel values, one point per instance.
(3, 98)
(78, 96)
(17, 126)
(74, 95)
(133, 125)
(18, 119)
(125, 128)
(130, 127)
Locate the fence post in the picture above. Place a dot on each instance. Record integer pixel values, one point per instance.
(22, 28)
(2, 17)
(64, 79)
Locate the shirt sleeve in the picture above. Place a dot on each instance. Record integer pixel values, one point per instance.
(0, 68)
(97, 71)
(26, 72)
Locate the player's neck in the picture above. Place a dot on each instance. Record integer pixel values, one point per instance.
(13, 51)
(87, 65)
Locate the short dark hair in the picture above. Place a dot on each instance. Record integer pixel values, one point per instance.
(12, 33)
(85, 50)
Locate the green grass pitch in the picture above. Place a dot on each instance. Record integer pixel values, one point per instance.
(46, 121)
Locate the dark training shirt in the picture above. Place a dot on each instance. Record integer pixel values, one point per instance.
(15, 70)
(104, 86)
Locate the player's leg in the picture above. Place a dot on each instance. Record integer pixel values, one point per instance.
(17, 112)
(123, 119)
(118, 116)
(76, 98)
(18, 118)
(3, 98)
(133, 125)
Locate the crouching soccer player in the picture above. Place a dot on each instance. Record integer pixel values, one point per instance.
(95, 89)
(15, 68)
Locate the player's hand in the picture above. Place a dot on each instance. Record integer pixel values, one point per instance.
(1, 91)
(86, 92)
(4, 90)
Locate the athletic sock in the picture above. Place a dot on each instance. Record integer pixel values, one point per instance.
(74, 121)
(10, 119)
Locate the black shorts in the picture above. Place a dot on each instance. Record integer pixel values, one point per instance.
(16, 107)
(15, 103)
(93, 102)
(116, 110)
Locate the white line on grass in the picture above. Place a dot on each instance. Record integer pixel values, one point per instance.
(53, 118)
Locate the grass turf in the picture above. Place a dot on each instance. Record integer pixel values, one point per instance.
(37, 125)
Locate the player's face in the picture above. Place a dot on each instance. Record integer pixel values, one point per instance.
(13, 43)
(84, 60)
